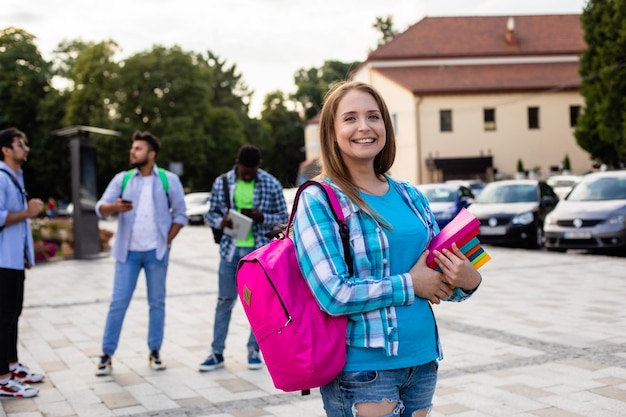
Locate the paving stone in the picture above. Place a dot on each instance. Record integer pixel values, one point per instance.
(537, 340)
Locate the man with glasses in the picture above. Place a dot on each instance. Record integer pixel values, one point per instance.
(16, 254)
(151, 206)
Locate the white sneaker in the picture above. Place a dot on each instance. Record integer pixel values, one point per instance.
(155, 361)
(25, 375)
(16, 389)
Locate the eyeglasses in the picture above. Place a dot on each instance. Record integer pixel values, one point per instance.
(21, 144)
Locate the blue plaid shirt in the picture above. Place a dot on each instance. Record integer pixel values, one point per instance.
(370, 294)
(268, 198)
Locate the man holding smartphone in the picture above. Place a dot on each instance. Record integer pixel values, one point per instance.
(257, 194)
(151, 206)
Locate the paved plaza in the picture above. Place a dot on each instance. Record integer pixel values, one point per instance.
(545, 336)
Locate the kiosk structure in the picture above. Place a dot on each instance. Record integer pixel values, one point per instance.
(84, 189)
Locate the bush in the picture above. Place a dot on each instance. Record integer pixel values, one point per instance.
(51, 234)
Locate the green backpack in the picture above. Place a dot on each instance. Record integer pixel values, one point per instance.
(162, 175)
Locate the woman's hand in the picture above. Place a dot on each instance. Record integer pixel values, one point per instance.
(428, 283)
(457, 270)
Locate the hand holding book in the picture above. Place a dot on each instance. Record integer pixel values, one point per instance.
(458, 237)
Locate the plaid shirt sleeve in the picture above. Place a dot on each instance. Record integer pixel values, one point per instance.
(320, 254)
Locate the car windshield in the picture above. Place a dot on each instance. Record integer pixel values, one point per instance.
(595, 189)
(477, 188)
(507, 193)
(440, 195)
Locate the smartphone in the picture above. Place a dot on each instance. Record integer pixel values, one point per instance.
(127, 202)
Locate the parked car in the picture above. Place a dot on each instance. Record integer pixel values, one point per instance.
(197, 206)
(476, 186)
(563, 184)
(592, 217)
(290, 196)
(446, 200)
(511, 212)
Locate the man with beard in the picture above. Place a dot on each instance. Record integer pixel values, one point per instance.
(16, 254)
(151, 207)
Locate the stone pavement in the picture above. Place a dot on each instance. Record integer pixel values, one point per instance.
(544, 336)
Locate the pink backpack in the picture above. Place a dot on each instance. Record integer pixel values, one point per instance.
(303, 347)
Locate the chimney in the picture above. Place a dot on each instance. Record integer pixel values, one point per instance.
(510, 37)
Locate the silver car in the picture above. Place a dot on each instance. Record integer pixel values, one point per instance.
(592, 217)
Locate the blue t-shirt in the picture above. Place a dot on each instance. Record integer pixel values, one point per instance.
(416, 322)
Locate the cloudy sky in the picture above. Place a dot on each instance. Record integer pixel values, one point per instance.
(268, 40)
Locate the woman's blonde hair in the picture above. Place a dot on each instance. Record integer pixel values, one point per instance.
(333, 165)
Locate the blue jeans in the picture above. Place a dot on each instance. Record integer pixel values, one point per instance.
(412, 388)
(126, 275)
(226, 298)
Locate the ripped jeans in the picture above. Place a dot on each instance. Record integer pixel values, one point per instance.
(226, 298)
(412, 388)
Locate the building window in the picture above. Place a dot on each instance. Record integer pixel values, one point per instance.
(445, 120)
(533, 117)
(394, 122)
(489, 119)
(574, 111)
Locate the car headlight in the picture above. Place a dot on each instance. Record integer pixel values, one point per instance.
(618, 219)
(524, 218)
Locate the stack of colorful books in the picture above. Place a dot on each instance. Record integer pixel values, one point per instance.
(462, 230)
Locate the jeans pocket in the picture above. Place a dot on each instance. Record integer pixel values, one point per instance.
(356, 378)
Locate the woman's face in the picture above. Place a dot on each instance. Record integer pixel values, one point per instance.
(359, 127)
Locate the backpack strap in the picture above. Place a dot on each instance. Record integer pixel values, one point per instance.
(337, 213)
(21, 189)
(126, 178)
(165, 182)
(226, 191)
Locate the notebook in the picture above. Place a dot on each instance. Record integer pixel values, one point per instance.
(241, 225)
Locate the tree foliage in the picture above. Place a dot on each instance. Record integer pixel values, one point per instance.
(385, 26)
(24, 81)
(287, 133)
(601, 128)
(24, 90)
(313, 84)
(197, 104)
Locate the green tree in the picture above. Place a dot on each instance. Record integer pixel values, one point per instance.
(385, 27)
(93, 74)
(566, 163)
(168, 92)
(287, 139)
(229, 89)
(313, 84)
(601, 128)
(24, 81)
(28, 102)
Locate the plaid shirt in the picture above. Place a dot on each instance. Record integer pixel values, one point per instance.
(369, 296)
(268, 198)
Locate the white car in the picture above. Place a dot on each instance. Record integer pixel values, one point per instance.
(197, 206)
(290, 196)
(563, 184)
